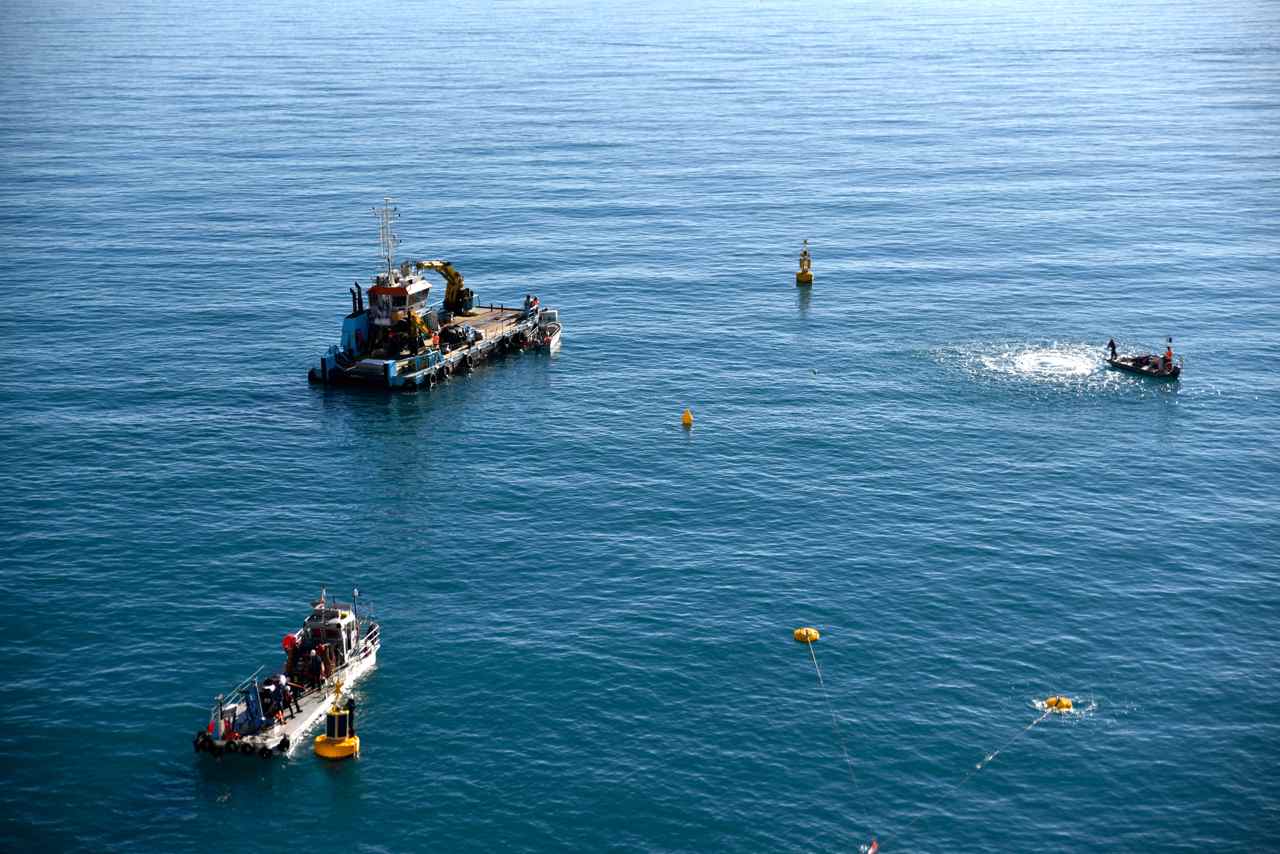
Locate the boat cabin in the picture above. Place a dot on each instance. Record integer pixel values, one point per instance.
(393, 296)
(333, 626)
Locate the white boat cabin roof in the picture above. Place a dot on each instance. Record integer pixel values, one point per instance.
(399, 285)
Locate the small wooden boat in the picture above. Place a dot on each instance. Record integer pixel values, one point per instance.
(1147, 366)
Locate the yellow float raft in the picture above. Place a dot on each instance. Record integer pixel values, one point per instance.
(1058, 704)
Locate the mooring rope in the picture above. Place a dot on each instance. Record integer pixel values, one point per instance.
(973, 771)
(993, 754)
(835, 722)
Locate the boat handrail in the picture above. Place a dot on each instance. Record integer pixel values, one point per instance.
(242, 686)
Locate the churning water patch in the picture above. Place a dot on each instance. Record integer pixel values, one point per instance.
(1069, 366)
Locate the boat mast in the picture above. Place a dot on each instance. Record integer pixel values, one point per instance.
(355, 612)
(386, 215)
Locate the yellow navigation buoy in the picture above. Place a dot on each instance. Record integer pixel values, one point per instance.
(805, 275)
(1058, 704)
(687, 419)
(339, 740)
(805, 634)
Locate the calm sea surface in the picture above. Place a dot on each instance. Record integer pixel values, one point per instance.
(587, 611)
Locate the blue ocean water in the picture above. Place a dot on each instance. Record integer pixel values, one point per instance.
(587, 611)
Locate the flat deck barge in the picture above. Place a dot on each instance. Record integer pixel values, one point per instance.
(401, 341)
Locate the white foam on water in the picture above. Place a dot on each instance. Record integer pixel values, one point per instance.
(1055, 363)
(1067, 365)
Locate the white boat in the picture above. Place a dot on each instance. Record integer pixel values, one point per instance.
(547, 332)
(250, 719)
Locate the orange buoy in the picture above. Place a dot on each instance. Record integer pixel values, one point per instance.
(806, 634)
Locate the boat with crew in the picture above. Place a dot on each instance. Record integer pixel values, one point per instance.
(400, 340)
(1161, 367)
(272, 710)
(1147, 366)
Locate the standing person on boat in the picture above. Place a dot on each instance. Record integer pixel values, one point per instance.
(315, 669)
(1111, 345)
(1168, 357)
(271, 701)
(287, 700)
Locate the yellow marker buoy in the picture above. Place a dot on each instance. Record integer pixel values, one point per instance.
(805, 634)
(1058, 704)
(686, 420)
(339, 740)
(805, 275)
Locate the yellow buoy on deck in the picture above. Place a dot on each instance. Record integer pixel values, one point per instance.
(686, 420)
(805, 275)
(805, 634)
(339, 740)
(1058, 704)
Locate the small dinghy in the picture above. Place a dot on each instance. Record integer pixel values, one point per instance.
(1147, 366)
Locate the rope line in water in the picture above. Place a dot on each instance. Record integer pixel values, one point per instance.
(973, 772)
(993, 754)
(835, 723)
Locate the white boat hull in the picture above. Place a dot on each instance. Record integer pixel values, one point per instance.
(313, 705)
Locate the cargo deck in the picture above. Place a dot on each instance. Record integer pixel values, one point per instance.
(402, 342)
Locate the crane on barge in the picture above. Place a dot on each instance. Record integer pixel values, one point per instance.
(401, 341)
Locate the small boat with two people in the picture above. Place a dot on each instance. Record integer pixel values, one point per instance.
(271, 711)
(1161, 367)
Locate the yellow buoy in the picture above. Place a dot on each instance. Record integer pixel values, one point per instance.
(1058, 704)
(687, 418)
(805, 275)
(805, 634)
(339, 740)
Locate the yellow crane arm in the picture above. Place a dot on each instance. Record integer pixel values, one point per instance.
(457, 298)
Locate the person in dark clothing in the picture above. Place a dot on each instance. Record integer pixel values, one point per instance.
(315, 670)
(1111, 345)
(271, 702)
(287, 699)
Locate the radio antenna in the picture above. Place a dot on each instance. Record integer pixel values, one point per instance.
(386, 215)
